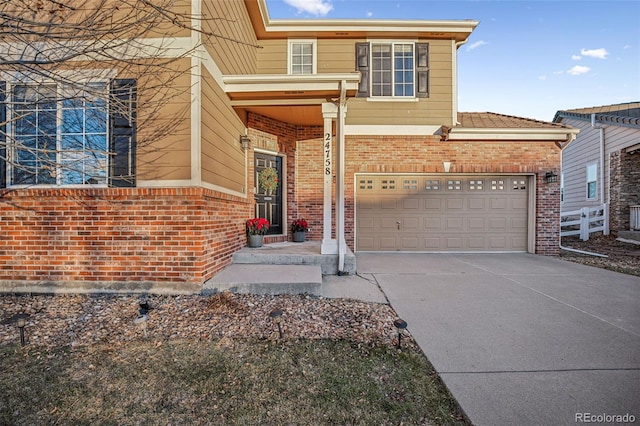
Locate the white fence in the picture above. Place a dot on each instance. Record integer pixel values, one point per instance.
(634, 220)
(585, 221)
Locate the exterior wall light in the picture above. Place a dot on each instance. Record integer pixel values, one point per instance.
(551, 177)
(245, 142)
(401, 326)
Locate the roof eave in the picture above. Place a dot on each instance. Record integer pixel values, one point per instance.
(532, 134)
(277, 28)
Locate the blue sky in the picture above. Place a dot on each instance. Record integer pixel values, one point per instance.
(525, 58)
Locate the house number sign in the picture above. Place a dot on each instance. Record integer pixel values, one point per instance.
(327, 154)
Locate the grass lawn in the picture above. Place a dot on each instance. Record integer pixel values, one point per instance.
(239, 382)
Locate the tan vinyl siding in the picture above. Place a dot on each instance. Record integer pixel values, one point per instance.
(223, 161)
(235, 51)
(272, 57)
(336, 56)
(164, 144)
(434, 110)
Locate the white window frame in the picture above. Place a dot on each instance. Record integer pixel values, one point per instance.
(11, 149)
(393, 43)
(592, 171)
(314, 53)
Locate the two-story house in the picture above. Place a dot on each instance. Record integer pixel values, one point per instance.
(601, 168)
(358, 117)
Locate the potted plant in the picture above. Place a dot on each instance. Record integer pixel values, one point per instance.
(256, 229)
(299, 228)
(268, 179)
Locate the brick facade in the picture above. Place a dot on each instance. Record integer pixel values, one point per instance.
(413, 154)
(624, 188)
(182, 236)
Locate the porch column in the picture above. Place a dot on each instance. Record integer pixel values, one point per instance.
(342, 113)
(329, 113)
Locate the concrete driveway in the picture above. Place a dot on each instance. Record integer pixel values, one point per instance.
(519, 338)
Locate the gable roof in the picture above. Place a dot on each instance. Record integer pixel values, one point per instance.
(626, 114)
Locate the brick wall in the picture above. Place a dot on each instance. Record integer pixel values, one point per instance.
(410, 154)
(287, 140)
(624, 188)
(181, 236)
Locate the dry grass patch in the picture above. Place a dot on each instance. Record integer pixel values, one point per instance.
(239, 382)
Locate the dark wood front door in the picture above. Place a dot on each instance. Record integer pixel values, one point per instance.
(269, 205)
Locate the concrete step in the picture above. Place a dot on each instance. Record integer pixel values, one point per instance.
(287, 253)
(267, 279)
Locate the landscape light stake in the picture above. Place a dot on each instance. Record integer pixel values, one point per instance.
(21, 322)
(276, 316)
(401, 325)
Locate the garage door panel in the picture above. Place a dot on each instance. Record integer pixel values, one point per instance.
(454, 204)
(411, 224)
(454, 224)
(432, 223)
(436, 213)
(476, 203)
(411, 204)
(388, 243)
(432, 204)
(475, 224)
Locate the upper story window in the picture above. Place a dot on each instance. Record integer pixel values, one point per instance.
(592, 181)
(302, 57)
(63, 134)
(393, 69)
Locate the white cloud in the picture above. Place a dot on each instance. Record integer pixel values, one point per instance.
(369, 14)
(595, 53)
(313, 7)
(558, 72)
(542, 77)
(476, 44)
(576, 57)
(627, 46)
(578, 69)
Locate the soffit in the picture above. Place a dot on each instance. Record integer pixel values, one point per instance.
(266, 28)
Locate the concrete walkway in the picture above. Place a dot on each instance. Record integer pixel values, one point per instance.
(518, 338)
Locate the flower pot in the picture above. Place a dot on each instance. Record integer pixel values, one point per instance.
(255, 240)
(299, 237)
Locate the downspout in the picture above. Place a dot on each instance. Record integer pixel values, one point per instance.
(601, 132)
(340, 177)
(455, 82)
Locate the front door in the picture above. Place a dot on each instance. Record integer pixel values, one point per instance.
(269, 203)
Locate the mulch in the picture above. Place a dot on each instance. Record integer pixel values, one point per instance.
(621, 256)
(81, 320)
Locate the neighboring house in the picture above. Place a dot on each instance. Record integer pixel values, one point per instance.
(360, 119)
(602, 166)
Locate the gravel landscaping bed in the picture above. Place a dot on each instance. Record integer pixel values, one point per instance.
(72, 320)
(622, 257)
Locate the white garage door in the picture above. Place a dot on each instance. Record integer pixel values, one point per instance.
(441, 213)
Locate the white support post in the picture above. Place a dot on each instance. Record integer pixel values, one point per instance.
(606, 218)
(329, 113)
(342, 112)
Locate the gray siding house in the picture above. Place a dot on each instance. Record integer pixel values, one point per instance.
(602, 165)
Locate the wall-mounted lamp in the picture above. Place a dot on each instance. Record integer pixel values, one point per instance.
(551, 177)
(245, 142)
(447, 166)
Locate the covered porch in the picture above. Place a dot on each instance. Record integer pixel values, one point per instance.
(303, 101)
